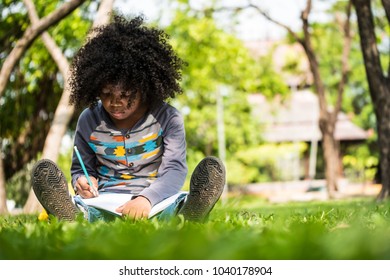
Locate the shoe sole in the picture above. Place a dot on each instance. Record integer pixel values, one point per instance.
(51, 189)
(206, 186)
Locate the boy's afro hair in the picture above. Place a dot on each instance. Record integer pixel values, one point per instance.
(129, 54)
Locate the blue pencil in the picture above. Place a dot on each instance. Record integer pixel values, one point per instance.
(85, 170)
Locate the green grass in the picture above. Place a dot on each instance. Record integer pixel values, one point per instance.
(244, 228)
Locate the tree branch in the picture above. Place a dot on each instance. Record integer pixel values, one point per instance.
(268, 17)
(51, 46)
(313, 62)
(103, 13)
(30, 35)
(305, 19)
(344, 59)
(306, 44)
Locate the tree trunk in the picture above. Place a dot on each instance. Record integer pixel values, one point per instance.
(379, 85)
(3, 194)
(383, 119)
(331, 152)
(64, 111)
(51, 148)
(328, 119)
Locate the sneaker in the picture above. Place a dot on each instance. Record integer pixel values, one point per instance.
(206, 186)
(51, 189)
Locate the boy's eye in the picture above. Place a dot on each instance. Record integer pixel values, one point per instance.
(105, 95)
(125, 94)
(109, 94)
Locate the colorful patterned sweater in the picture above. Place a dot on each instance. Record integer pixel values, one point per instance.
(147, 160)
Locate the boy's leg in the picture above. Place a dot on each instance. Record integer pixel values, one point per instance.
(206, 186)
(93, 214)
(171, 211)
(51, 189)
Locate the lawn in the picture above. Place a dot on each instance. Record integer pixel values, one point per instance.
(242, 228)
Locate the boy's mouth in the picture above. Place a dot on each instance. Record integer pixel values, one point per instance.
(116, 114)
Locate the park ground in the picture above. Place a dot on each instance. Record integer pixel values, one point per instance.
(241, 227)
(309, 190)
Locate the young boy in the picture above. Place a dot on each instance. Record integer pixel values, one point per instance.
(130, 140)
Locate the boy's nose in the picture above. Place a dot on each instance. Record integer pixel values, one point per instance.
(115, 99)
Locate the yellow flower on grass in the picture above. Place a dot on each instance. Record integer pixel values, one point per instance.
(43, 216)
(119, 151)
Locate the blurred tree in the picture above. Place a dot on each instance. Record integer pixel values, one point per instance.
(327, 39)
(10, 56)
(218, 62)
(328, 114)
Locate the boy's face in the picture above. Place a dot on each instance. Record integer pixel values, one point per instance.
(116, 102)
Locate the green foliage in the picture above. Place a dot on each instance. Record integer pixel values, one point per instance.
(263, 163)
(270, 82)
(65, 161)
(239, 174)
(217, 59)
(243, 228)
(218, 63)
(360, 164)
(19, 185)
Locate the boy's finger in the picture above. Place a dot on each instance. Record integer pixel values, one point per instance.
(119, 209)
(94, 191)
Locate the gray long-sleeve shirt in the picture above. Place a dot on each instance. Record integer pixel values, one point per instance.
(147, 160)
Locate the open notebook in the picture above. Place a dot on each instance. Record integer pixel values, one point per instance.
(111, 201)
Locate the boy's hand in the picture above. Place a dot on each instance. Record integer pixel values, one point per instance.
(135, 209)
(83, 188)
